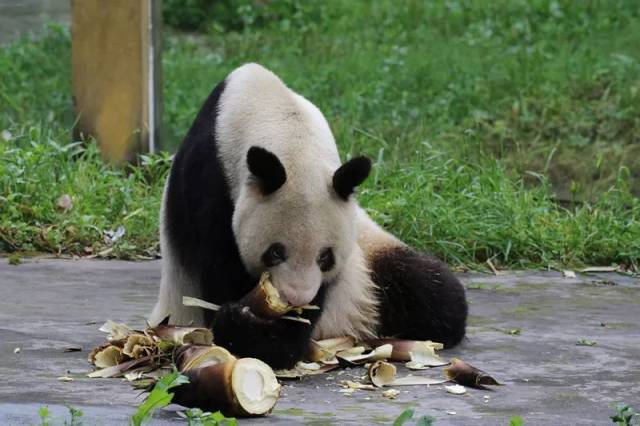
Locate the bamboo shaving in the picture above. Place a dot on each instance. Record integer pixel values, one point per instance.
(416, 380)
(199, 303)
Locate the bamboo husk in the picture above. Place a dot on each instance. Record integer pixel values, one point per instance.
(403, 350)
(182, 335)
(382, 373)
(379, 353)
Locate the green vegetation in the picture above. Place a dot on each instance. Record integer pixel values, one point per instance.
(407, 415)
(46, 419)
(625, 416)
(160, 396)
(503, 130)
(197, 417)
(516, 421)
(37, 167)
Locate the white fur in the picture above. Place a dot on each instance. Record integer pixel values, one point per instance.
(257, 109)
(372, 239)
(350, 307)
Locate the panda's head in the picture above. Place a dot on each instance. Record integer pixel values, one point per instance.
(300, 225)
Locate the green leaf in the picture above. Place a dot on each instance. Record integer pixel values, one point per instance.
(516, 421)
(159, 397)
(403, 417)
(76, 416)
(44, 414)
(625, 415)
(425, 421)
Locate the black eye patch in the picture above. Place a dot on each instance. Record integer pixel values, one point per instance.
(326, 261)
(274, 255)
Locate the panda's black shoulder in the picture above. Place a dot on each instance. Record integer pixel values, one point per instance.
(196, 170)
(198, 205)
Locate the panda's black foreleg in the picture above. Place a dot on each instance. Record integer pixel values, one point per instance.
(278, 342)
(420, 298)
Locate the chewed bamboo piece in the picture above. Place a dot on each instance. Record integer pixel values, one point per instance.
(303, 369)
(418, 351)
(379, 353)
(324, 351)
(468, 375)
(264, 301)
(220, 381)
(382, 373)
(190, 357)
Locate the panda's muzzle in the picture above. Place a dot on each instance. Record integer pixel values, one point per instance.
(295, 297)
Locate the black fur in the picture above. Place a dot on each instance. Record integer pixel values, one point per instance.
(349, 175)
(278, 342)
(267, 169)
(420, 298)
(199, 211)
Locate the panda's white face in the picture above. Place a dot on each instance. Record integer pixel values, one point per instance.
(301, 230)
(302, 237)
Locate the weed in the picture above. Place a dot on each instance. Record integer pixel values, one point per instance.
(625, 415)
(46, 419)
(45, 416)
(516, 421)
(196, 417)
(159, 397)
(407, 415)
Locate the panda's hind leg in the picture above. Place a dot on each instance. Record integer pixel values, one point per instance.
(419, 296)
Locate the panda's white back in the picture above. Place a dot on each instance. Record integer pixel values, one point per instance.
(258, 109)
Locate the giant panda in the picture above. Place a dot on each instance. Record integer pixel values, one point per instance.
(258, 185)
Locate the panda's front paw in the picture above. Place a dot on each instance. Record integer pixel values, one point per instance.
(279, 343)
(235, 316)
(242, 313)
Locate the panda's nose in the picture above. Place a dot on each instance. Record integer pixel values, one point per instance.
(298, 297)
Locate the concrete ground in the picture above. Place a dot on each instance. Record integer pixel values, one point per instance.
(523, 330)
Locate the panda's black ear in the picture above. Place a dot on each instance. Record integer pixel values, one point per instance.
(349, 175)
(267, 170)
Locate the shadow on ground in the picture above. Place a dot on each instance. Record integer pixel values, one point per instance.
(523, 330)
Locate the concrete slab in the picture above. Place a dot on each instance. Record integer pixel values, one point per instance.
(49, 305)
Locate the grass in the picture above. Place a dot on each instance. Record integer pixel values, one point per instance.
(501, 130)
(36, 168)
